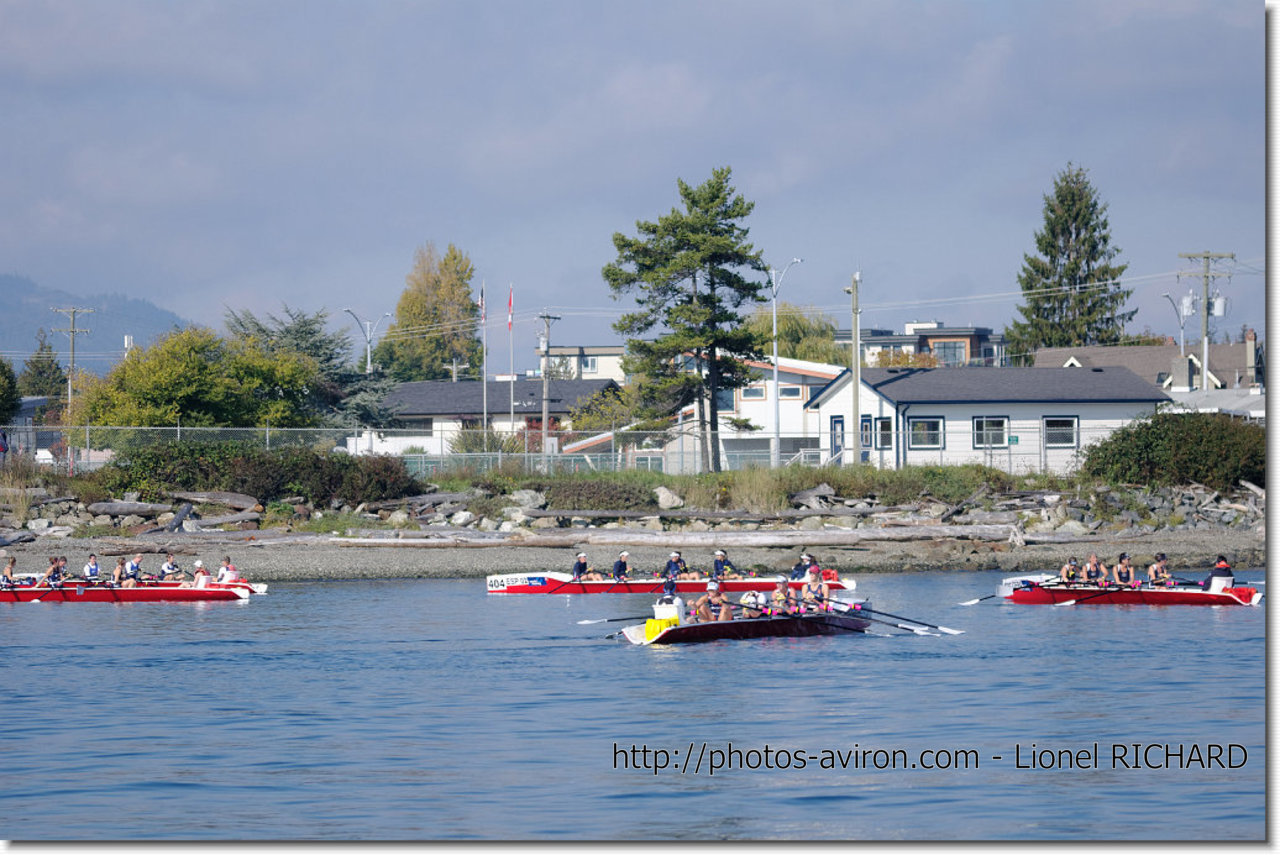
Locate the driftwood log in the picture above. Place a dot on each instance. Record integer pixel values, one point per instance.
(239, 501)
(121, 509)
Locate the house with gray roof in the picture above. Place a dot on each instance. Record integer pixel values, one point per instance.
(1236, 365)
(432, 413)
(1015, 419)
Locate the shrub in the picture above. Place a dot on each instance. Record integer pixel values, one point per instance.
(1181, 448)
(599, 495)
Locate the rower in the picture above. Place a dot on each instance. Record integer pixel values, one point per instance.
(53, 575)
(1220, 576)
(199, 576)
(752, 604)
(580, 567)
(6, 577)
(620, 567)
(1124, 572)
(228, 572)
(91, 570)
(713, 605)
(676, 568)
(133, 569)
(125, 574)
(1070, 571)
(780, 600)
(169, 569)
(815, 594)
(1158, 573)
(722, 567)
(801, 570)
(1095, 572)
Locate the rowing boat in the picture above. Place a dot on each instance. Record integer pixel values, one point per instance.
(669, 627)
(79, 592)
(251, 587)
(563, 583)
(1045, 589)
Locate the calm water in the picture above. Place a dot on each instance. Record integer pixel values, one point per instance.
(427, 709)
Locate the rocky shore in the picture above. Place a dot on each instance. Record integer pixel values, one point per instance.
(429, 539)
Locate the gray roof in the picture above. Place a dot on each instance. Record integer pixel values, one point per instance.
(1150, 361)
(1004, 385)
(466, 397)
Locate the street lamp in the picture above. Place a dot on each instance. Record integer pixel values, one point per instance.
(369, 327)
(1182, 326)
(856, 360)
(776, 279)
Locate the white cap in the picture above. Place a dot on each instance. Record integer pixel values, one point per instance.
(582, 555)
(199, 563)
(675, 555)
(713, 586)
(719, 552)
(622, 553)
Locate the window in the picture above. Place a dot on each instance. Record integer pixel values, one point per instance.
(924, 432)
(724, 400)
(951, 353)
(1060, 431)
(589, 365)
(990, 431)
(753, 393)
(865, 433)
(884, 433)
(786, 393)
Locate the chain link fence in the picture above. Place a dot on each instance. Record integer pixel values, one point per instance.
(1020, 449)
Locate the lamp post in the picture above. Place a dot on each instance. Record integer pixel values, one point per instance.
(369, 327)
(1182, 326)
(775, 279)
(855, 360)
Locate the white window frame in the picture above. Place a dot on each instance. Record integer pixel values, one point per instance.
(980, 436)
(912, 421)
(590, 364)
(753, 393)
(1075, 431)
(788, 393)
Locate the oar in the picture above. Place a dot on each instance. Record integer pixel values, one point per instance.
(858, 609)
(612, 619)
(978, 600)
(1101, 593)
(568, 581)
(45, 594)
(947, 630)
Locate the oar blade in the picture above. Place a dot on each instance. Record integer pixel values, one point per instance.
(972, 602)
(1066, 603)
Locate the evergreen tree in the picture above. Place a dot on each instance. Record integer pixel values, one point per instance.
(41, 374)
(437, 320)
(10, 397)
(688, 273)
(300, 333)
(1072, 290)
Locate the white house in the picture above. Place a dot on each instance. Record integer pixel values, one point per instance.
(1015, 419)
(586, 362)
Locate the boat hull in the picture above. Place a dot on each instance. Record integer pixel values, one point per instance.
(562, 583)
(818, 623)
(81, 593)
(1034, 591)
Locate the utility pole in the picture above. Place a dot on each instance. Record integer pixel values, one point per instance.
(71, 368)
(855, 360)
(1204, 316)
(546, 384)
(456, 366)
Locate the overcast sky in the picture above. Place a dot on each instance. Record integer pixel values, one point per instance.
(253, 155)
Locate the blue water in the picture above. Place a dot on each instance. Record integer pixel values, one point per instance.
(418, 709)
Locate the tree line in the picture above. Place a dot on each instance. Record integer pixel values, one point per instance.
(697, 286)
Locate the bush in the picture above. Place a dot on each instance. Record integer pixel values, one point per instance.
(1180, 448)
(599, 495)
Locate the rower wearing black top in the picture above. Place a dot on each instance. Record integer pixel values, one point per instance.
(722, 567)
(580, 567)
(621, 567)
(1125, 574)
(1095, 573)
(1158, 573)
(1220, 568)
(54, 574)
(675, 568)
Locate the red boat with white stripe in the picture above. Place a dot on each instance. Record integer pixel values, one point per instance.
(1047, 589)
(82, 592)
(564, 583)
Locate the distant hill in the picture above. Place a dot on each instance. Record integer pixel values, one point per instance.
(27, 308)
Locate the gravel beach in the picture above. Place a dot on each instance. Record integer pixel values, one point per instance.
(267, 556)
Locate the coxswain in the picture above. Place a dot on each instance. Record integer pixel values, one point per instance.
(801, 570)
(1124, 572)
(620, 567)
(815, 594)
(713, 605)
(1220, 568)
(1158, 573)
(1070, 571)
(722, 567)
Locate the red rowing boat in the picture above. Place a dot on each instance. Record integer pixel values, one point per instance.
(1048, 590)
(563, 583)
(80, 592)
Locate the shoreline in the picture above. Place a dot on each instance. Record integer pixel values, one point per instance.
(268, 557)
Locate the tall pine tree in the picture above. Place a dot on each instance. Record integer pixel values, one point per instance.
(41, 373)
(689, 273)
(1071, 288)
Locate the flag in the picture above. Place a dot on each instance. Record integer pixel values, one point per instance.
(510, 304)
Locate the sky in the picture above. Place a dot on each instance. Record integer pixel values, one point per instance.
(259, 155)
